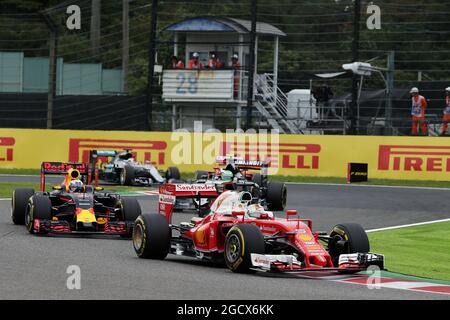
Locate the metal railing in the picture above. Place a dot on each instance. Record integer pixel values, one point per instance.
(318, 119)
(271, 92)
(275, 101)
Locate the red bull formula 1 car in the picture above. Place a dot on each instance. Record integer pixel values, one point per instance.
(246, 237)
(83, 209)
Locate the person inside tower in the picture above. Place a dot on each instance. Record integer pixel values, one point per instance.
(214, 62)
(236, 66)
(176, 63)
(195, 63)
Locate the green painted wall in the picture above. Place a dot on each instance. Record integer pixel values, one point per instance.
(30, 75)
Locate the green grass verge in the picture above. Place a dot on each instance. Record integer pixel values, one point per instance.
(6, 188)
(21, 171)
(422, 251)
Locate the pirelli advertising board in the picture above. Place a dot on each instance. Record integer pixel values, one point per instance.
(415, 158)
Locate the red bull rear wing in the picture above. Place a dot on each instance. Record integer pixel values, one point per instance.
(62, 168)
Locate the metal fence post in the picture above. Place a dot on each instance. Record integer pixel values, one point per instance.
(53, 44)
(151, 66)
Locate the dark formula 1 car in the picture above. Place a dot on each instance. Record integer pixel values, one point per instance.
(234, 170)
(121, 167)
(65, 210)
(241, 234)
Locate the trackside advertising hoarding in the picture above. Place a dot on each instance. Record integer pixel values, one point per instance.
(414, 158)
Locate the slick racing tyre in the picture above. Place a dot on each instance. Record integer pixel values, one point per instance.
(151, 236)
(276, 196)
(173, 173)
(257, 179)
(131, 209)
(19, 203)
(127, 176)
(347, 238)
(201, 175)
(39, 207)
(241, 241)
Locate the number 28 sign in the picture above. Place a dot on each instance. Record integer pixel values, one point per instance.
(182, 85)
(187, 83)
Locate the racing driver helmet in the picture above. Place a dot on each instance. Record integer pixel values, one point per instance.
(76, 186)
(227, 175)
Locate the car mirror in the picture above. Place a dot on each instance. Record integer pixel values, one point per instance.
(291, 212)
(99, 189)
(57, 188)
(264, 216)
(237, 213)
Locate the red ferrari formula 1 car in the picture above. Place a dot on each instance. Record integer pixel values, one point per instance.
(74, 206)
(246, 237)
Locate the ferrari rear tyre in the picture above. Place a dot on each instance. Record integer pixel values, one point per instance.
(131, 209)
(39, 207)
(127, 176)
(19, 203)
(173, 173)
(347, 238)
(276, 196)
(151, 236)
(201, 174)
(241, 241)
(257, 179)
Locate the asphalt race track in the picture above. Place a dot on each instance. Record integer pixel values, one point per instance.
(35, 267)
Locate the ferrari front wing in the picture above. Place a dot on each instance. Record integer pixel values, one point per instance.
(289, 263)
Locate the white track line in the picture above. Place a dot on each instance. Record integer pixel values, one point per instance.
(5, 199)
(411, 285)
(365, 185)
(408, 225)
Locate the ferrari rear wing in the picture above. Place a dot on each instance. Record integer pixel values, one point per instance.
(62, 168)
(168, 193)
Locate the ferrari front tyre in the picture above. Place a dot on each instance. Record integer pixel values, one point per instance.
(241, 241)
(173, 173)
(151, 236)
(127, 176)
(276, 196)
(39, 207)
(347, 238)
(19, 203)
